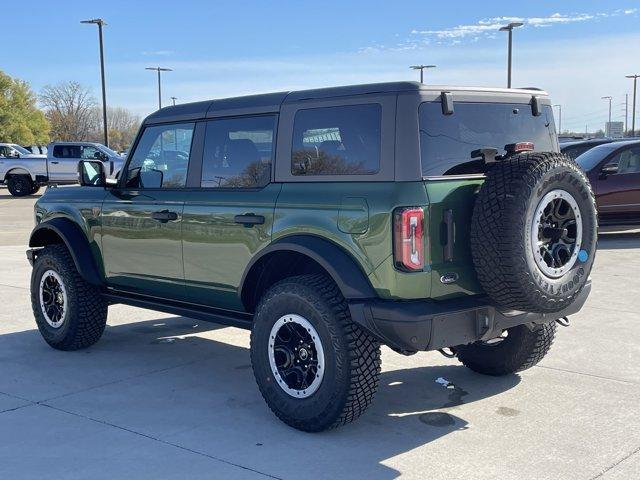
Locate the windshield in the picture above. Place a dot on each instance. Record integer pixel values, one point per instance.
(446, 141)
(591, 158)
(108, 151)
(22, 151)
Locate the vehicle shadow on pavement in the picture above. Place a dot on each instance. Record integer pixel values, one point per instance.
(188, 383)
(618, 241)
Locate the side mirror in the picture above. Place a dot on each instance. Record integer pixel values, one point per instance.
(91, 173)
(151, 178)
(609, 169)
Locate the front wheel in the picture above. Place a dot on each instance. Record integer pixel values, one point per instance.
(315, 368)
(517, 349)
(70, 313)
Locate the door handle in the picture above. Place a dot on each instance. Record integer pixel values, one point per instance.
(55, 163)
(164, 216)
(249, 219)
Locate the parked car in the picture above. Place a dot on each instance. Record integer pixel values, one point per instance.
(329, 222)
(36, 149)
(569, 138)
(614, 172)
(26, 173)
(13, 150)
(577, 148)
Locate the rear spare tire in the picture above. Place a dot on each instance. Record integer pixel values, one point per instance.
(534, 232)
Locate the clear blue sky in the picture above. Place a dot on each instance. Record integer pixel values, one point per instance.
(578, 51)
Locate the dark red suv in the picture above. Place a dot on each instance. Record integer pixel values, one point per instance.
(614, 172)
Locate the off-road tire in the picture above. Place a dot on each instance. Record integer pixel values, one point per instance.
(501, 238)
(521, 349)
(352, 357)
(19, 185)
(86, 316)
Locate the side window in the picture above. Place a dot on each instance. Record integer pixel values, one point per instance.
(58, 151)
(337, 140)
(628, 161)
(238, 152)
(4, 151)
(161, 158)
(67, 151)
(90, 153)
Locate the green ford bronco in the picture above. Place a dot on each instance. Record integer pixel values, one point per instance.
(329, 222)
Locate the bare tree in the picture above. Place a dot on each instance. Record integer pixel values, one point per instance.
(70, 109)
(122, 125)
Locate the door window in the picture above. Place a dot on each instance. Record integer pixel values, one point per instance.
(238, 152)
(161, 157)
(341, 140)
(90, 153)
(67, 151)
(628, 161)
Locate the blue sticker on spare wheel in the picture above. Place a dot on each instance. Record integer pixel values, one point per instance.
(583, 256)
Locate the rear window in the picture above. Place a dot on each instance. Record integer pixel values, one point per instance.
(337, 140)
(446, 141)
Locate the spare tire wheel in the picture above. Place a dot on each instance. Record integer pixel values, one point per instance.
(534, 232)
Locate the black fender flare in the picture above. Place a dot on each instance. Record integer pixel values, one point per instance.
(341, 267)
(76, 242)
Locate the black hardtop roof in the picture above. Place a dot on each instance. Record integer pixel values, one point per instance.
(271, 102)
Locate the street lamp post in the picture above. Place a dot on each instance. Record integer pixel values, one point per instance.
(609, 124)
(559, 117)
(626, 112)
(159, 69)
(421, 68)
(509, 28)
(101, 23)
(173, 99)
(633, 110)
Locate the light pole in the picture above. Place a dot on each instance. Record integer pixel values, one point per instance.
(609, 124)
(633, 110)
(101, 23)
(626, 112)
(173, 99)
(509, 28)
(159, 69)
(421, 68)
(559, 117)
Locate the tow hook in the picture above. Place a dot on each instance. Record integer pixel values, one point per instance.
(564, 322)
(449, 354)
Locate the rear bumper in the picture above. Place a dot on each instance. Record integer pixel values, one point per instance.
(412, 326)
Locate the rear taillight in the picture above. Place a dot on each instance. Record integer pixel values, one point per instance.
(408, 229)
(519, 147)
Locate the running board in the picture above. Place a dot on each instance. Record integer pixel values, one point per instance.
(198, 312)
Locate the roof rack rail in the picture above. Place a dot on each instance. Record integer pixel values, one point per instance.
(531, 88)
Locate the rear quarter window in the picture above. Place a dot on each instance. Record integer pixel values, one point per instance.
(342, 140)
(446, 141)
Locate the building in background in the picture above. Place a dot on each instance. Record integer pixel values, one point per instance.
(614, 129)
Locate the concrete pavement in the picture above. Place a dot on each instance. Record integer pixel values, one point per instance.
(169, 397)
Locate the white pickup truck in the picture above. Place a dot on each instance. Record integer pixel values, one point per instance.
(24, 173)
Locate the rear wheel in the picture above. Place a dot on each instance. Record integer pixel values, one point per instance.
(71, 314)
(19, 185)
(315, 368)
(517, 349)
